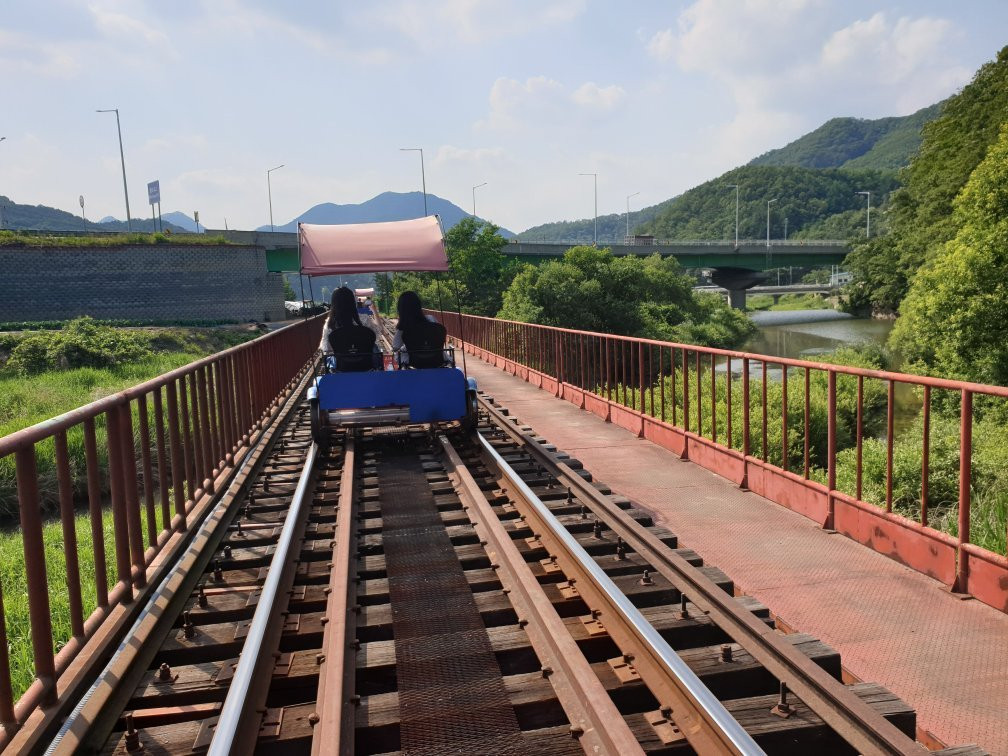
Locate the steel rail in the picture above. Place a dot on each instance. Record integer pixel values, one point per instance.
(849, 716)
(237, 725)
(334, 731)
(700, 716)
(172, 588)
(595, 720)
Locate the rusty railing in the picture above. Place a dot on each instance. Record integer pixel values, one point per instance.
(783, 428)
(150, 454)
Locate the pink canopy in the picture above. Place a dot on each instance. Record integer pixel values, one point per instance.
(372, 247)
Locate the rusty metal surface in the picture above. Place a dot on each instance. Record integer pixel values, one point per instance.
(334, 731)
(862, 727)
(451, 697)
(595, 720)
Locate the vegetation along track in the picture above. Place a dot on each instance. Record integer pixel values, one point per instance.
(420, 592)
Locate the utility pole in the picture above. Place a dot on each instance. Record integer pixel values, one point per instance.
(474, 196)
(769, 202)
(867, 231)
(736, 187)
(122, 159)
(628, 215)
(269, 193)
(423, 176)
(594, 176)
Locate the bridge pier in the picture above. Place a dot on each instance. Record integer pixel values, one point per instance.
(736, 299)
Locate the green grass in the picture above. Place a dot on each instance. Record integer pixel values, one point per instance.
(788, 302)
(20, 239)
(15, 589)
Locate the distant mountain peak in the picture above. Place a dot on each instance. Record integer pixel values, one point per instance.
(387, 206)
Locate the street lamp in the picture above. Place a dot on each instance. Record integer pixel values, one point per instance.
(769, 202)
(122, 158)
(736, 188)
(474, 196)
(867, 230)
(628, 215)
(1, 206)
(423, 177)
(595, 176)
(269, 193)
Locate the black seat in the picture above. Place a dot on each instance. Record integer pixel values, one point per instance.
(353, 348)
(425, 344)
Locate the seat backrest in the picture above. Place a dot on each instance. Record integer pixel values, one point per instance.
(425, 343)
(353, 348)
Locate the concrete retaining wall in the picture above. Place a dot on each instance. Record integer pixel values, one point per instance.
(157, 282)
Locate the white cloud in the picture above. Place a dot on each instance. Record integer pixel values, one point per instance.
(23, 54)
(779, 62)
(447, 154)
(591, 95)
(429, 24)
(512, 101)
(114, 23)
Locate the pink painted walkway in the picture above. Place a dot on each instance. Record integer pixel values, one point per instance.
(894, 626)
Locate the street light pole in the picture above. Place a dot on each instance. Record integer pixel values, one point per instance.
(867, 231)
(1, 206)
(474, 196)
(423, 177)
(595, 176)
(122, 159)
(769, 202)
(628, 215)
(736, 188)
(269, 193)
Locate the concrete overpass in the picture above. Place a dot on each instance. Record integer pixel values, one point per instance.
(752, 254)
(736, 268)
(774, 291)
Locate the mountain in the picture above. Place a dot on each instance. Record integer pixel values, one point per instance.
(884, 144)
(180, 220)
(43, 218)
(387, 206)
(815, 178)
(611, 228)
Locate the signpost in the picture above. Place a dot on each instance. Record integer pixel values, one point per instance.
(154, 197)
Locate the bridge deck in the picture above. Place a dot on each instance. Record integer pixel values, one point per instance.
(945, 656)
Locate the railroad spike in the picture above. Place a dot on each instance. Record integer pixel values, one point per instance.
(218, 573)
(683, 611)
(646, 578)
(188, 628)
(313, 719)
(132, 743)
(620, 549)
(726, 652)
(597, 528)
(584, 512)
(201, 597)
(783, 709)
(227, 551)
(576, 731)
(570, 495)
(164, 672)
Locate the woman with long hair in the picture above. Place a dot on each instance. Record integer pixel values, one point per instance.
(410, 312)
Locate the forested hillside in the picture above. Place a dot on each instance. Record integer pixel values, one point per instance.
(922, 218)
(884, 144)
(815, 197)
(816, 204)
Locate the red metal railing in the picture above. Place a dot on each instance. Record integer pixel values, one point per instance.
(150, 452)
(783, 441)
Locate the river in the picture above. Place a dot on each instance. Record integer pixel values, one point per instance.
(802, 334)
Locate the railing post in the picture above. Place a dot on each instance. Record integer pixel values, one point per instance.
(117, 495)
(746, 440)
(965, 484)
(830, 448)
(35, 571)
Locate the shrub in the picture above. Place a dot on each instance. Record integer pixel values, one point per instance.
(80, 343)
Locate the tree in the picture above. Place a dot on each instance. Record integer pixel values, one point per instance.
(476, 265)
(953, 318)
(592, 290)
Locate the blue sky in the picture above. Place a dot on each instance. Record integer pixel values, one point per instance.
(655, 97)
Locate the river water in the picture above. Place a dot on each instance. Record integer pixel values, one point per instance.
(802, 334)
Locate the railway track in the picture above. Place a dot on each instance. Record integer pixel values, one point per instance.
(417, 592)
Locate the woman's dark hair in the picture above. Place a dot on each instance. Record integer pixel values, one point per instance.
(410, 310)
(343, 311)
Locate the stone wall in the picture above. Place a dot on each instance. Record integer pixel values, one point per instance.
(155, 282)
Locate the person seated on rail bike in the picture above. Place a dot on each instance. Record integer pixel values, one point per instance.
(348, 345)
(419, 339)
